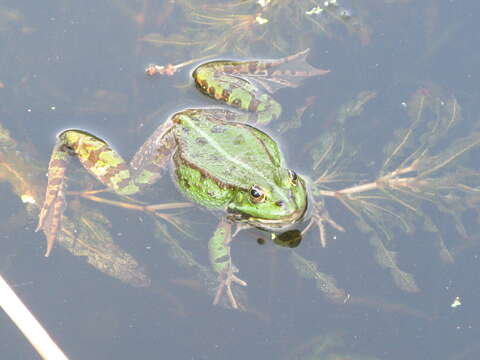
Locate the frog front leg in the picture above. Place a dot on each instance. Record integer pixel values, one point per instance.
(221, 260)
(106, 165)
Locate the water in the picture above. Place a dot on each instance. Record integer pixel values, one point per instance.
(67, 65)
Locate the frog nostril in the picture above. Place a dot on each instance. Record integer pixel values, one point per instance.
(280, 203)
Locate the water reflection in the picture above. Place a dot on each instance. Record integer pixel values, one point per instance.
(290, 238)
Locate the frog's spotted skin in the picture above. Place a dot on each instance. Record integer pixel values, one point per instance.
(229, 81)
(219, 160)
(236, 92)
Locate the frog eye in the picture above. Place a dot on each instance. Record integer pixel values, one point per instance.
(293, 176)
(256, 194)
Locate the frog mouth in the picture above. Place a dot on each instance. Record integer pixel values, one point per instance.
(270, 224)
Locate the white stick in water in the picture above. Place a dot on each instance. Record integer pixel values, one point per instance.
(28, 325)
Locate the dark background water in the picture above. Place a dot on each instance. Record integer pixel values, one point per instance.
(80, 64)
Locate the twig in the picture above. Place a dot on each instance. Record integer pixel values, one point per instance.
(390, 180)
(146, 208)
(28, 325)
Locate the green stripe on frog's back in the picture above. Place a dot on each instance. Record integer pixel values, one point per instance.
(228, 153)
(213, 80)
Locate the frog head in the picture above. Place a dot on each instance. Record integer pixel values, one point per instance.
(271, 205)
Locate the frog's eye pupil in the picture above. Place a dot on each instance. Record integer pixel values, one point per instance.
(293, 175)
(257, 194)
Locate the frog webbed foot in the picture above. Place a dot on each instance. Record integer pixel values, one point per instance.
(226, 278)
(50, 220)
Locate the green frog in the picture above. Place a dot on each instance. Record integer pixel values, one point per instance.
(218, 157)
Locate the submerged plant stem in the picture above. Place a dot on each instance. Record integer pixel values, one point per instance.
(389, 180)
(130, 206)
(28, 325)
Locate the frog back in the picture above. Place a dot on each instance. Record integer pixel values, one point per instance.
(215, 156)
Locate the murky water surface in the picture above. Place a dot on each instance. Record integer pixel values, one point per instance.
(401, 282)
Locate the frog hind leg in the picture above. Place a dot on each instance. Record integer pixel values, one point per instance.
(237, 82)
(289, 71)
(97, 157)
(50, 218)
(151, 161)
(220, 258)
(103, 163)
(213, 81)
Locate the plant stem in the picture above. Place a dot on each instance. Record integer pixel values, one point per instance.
(390, 180)
(28, 325)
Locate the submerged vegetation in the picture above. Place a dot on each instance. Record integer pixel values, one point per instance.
(420, 168)
(85, 231)
(385, 190)
(247, 28)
